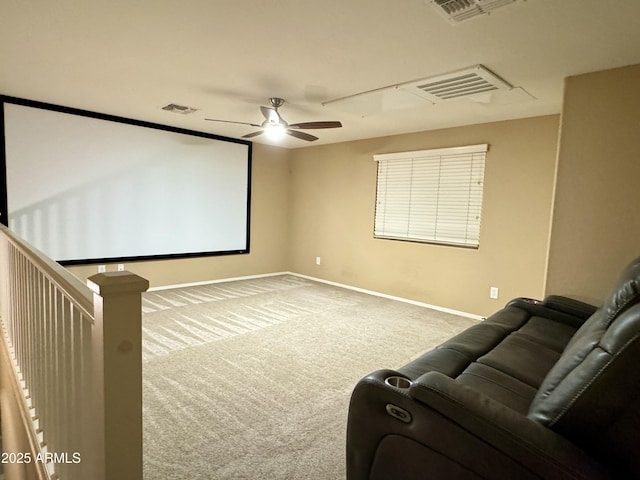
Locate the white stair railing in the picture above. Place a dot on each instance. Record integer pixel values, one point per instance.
(70, 369)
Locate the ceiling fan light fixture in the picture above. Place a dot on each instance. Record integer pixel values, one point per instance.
(275, 132)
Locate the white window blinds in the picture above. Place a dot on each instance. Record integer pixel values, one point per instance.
(431, 195)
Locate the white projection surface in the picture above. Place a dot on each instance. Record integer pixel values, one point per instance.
(85, 189)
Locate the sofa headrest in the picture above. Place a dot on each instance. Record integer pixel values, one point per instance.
(597, 376)
(626, 292)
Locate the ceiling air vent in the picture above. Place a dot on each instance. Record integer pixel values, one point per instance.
(462, 83)
(181, 109)
(457, 11)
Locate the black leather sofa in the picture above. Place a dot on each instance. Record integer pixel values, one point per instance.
(541, 389)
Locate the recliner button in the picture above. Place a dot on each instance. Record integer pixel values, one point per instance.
(399, 413)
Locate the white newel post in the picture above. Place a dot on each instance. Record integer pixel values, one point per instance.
(117, 343)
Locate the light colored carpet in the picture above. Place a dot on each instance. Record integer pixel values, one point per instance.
(251, 379)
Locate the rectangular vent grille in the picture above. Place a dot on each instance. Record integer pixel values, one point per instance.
(181, 109)
(463, 83)
(458, 87)
(459, 10)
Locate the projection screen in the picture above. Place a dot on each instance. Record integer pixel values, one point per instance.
(88, 188)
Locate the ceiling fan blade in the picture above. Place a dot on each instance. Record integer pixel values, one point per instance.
(270, 114)
(231, 121)
(302, 135)
(254, 134)
(311, 125)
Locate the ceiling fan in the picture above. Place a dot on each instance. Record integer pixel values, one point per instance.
(276, 126)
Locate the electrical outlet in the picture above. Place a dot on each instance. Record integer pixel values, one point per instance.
(493, 292)
(317, 260)
(121, 267)
(102, 268)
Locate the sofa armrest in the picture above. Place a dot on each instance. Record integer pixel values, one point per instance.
(561, 309)
(569, 305)
(438, 428)
(527, 442)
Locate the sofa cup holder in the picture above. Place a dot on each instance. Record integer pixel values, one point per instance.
(398, 382)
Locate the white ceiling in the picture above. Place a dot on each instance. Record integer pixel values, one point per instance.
(225, 58)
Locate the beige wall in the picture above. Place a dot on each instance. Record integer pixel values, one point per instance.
(269, 231)
(333, 196)
(596, 225)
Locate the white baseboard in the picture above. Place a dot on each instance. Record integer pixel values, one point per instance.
(221, 280)
(392, 297)
(328, 282)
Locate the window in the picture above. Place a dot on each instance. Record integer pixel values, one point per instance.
(432, 196)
